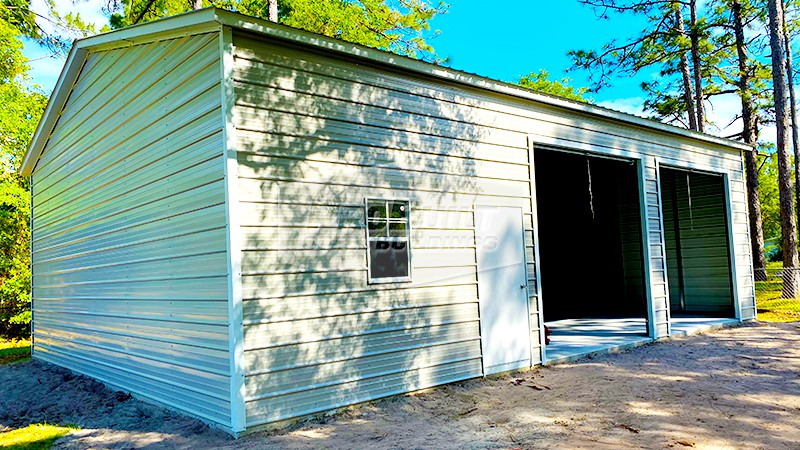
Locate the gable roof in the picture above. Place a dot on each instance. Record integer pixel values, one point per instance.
(214, 19)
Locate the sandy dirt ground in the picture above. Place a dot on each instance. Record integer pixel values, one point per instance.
(735, 388)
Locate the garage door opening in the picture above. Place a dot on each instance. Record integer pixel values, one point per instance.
(590, 248)
(697, 247)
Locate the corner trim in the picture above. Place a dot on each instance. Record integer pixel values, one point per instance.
(735, 285)
(668, 302)
(536, 257)
(233, 235)
(641, 167)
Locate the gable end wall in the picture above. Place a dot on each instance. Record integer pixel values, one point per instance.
(129, 241)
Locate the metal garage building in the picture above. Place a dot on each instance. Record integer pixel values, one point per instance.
(250, 223)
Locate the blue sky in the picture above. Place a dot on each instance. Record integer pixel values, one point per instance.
(510, 38)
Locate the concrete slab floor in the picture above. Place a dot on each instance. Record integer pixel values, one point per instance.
(682, 326)
(574, 338)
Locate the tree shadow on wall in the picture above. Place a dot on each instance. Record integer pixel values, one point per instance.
(316, 136)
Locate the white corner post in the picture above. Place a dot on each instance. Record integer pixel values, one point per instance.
(729, 218)
(30, 261)
(233, 235)
(654, 248)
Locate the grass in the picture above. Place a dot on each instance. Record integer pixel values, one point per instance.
(771, 307)
(40, 436)
(14, 351)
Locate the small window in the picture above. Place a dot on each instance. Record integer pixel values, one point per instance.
(388, 236)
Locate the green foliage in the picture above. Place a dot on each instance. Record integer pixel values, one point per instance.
(12, 63)
(394, 26)
(768, 193)
(656, 44)
(540, 82)
(130, 12)
(19, 116)
(664, 40)
(659, 45)
(22, 107)
(17, 14)
(723, 69)
(15, 297)
(57, 36)
(399, 26)
(772, 307)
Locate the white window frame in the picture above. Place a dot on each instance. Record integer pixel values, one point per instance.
(407, 240)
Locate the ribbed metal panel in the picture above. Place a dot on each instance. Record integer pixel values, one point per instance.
(656, 274)
(739, 237)
(397, 93)
(317, 335)
(129, 250)
(630, 224)
(695, 220)
(315, 135)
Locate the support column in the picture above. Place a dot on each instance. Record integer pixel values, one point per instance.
(654, 249)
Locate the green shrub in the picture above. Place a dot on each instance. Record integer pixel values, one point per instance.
(15, 299)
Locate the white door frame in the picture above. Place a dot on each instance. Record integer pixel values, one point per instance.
(737, 304)
(726, 188)
(640, 165)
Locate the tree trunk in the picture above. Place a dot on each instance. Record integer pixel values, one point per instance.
(788, 223)
(694, 34)
(685, 72)
(749, 136)
(793, 115)
(272, 13)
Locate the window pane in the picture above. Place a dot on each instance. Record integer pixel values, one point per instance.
(377, 228)
(376, 210)
(399, 210)
(398, 229)
(388, 259)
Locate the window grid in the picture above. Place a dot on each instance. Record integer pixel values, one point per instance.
(388, 221)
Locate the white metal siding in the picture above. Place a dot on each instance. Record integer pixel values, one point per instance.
(316, 135)
(317, 336)
(129, 247)
(739, 235)
(654, 227)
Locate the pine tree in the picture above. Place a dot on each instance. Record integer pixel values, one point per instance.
(788, 219)
(747, 69)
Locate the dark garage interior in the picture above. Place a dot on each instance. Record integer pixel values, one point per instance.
(590, 240)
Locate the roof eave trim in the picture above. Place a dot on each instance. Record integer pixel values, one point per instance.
(260, 26)
(60, 93)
